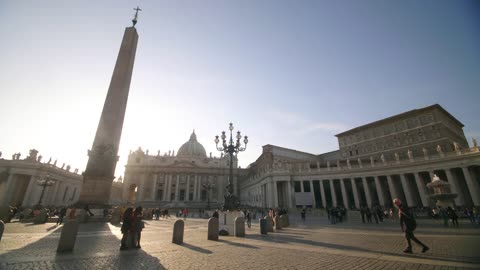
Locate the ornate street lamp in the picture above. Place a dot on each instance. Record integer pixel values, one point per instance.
(231, 201)
(44, 183)
(208, 186)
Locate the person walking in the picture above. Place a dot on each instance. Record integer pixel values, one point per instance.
(303, 214)
(453, 216)
(87, 210)
(362, 213)
(138, 225)
(61, 215)
(126, 227)
(408, 225)
(249, 219)
(185, 213)
(368, 213)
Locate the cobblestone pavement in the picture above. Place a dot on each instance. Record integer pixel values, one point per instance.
(311, 245)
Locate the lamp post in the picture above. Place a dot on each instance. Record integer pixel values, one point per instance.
(208, 186)
(233, 147)
(44, 183)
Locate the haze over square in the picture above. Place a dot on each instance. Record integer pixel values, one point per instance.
(288, 74)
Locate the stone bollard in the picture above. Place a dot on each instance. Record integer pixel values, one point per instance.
(68, 236)
(263, 226)
(278, 224)
(178, 228)
(213, 229)
(2, 228)
(269, 224)
(239, 227)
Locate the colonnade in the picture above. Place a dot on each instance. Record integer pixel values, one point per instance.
(21, 189)
(372, 188)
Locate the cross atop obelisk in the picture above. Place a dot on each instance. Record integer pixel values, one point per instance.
(134, 21)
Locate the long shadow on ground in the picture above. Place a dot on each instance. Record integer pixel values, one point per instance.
(283, 238)
(98, 251)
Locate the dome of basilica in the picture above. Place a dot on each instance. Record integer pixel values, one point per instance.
(192, 148)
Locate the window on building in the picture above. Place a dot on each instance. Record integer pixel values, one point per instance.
(297, 186)
(190, 197)
(182, 195)
(159, 194)
(203, 195)
(172, 196)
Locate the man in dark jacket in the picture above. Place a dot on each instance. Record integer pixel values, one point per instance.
(127, 227)
(408, 225)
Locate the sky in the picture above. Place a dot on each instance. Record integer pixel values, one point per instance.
(287, 73)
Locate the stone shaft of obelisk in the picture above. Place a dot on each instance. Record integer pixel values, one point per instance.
(111, 122)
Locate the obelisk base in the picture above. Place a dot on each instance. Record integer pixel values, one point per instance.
(95, 191)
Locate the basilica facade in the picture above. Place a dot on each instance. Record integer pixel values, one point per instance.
(188, 178)
(391, 158)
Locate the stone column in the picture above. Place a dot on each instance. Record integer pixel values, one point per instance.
(53, 195)
(169, 187)
(355, 193)
(322, 193)
(422, 189)
(199, 190)
(195, 187)
(165, 187)
(313, 193)
(454, 187)
(334, 195)
(7, 193)
(269, 187)
(141, 188)
(177, 188)
(187, 196)
(289, 194)
(154, 187)
(344, 194)
(473, 186)
(301, 186)
(380, 192)
(275, 193)
(26, 199)
(407, 191)
(367, 192)
(391, 186)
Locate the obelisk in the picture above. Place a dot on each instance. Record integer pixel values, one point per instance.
(99, 174)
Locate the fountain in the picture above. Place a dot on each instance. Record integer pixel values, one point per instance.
(442, 194)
